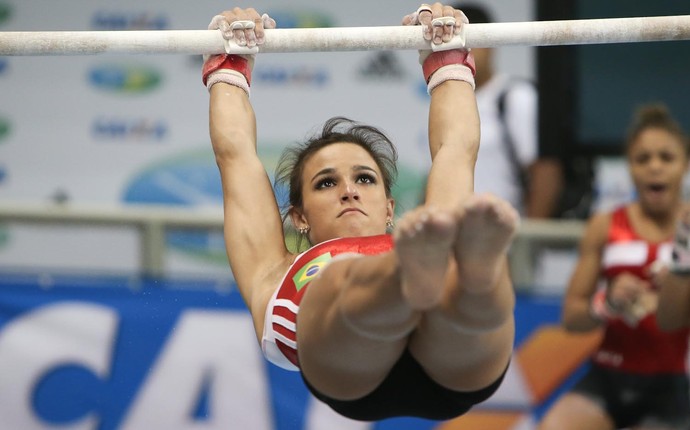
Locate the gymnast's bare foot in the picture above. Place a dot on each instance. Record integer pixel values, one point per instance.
(423, 242)
(486, 226)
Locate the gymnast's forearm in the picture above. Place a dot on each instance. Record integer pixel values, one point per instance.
(453, 143)
(673, 312)
(232, 123)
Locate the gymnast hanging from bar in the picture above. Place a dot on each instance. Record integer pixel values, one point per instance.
(414, 319)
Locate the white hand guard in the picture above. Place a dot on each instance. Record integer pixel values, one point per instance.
(234, 69)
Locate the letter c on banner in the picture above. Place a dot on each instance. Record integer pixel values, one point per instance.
(51, 336)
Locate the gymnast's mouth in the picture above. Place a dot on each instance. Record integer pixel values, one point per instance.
(656, 188)
(350, 210)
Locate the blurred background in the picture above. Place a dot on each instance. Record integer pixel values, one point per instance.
(117, 305)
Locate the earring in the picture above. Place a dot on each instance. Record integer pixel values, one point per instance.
(303, 230)
(389, 223)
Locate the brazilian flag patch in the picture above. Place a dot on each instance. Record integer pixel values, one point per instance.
(310, 270)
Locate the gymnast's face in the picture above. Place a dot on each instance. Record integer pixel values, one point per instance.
(343, 194)
(657, 166)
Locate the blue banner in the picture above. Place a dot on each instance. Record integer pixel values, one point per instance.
(116, 353)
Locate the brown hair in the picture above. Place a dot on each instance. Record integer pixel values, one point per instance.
(336, 130)
(655, 116)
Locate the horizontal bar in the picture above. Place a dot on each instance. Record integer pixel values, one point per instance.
(537, 33)
(153, 222)
(131, 215)
(183, 217)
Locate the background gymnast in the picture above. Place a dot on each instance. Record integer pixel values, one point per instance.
(417, 323)
(638, 375)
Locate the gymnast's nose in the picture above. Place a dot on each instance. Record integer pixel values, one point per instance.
(350, 192)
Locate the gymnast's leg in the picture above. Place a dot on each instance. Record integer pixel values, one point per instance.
(465, 343)
(354, 321)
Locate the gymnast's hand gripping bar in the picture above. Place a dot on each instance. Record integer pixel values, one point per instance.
(536, 33)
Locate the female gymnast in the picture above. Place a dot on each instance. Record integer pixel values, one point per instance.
(637, 377)
(417, 323)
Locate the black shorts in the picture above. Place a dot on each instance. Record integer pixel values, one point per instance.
(633, 400)
(408, 391)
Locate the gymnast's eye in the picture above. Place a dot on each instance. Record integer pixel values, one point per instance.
(641, 158)
(366, 178)
(667, 156)
(325, 182)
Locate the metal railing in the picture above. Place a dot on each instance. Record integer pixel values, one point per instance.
(152, 222)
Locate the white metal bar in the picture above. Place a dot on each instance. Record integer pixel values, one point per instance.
(537, 33)
(535, 235)
(111, 215)
(152, 222)
(153, 249)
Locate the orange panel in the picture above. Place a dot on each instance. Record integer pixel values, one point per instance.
(483, 421)
(551, 355)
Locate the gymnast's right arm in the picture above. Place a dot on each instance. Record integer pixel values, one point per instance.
(252, 224)
(577, 313)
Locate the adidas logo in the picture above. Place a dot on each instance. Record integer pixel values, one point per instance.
(383, 64)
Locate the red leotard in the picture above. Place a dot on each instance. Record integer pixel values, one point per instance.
(642, 348)
(279, 342)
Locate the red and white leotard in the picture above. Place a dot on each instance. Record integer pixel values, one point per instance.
(279, 341)
(640, 348)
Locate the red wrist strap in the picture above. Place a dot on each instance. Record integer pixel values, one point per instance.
(438, 59)
(600, 308)
(225, 61)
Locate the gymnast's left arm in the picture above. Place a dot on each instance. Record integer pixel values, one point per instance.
(453, 116)
(673, 311)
